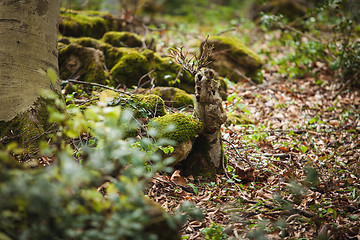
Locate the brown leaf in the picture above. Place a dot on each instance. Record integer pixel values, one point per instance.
(177, 179)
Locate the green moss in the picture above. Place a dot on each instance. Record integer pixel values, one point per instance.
(150, 103)
(130, 68)
(231, 53)
(237, 119)
(82, 24)
(186, 127)
(88, 42)
(122, 39)
(87, 62)
(174, 97)
(27, 128)
(168, 73)
(237, 48)
(112, 54)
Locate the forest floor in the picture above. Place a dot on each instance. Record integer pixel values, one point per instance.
(292, 174)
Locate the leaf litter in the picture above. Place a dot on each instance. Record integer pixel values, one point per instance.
(292, 174)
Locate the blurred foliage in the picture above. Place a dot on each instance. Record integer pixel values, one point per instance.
(82, 4)
(327, 34)
(64, 200)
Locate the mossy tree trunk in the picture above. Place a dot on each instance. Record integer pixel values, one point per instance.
(28, 37)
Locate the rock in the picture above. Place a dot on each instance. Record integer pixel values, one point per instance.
(174, 97)
(85, 62)
(82, 24)
(185, 129)
(122, 39)
(151, 103)
(290, 9)
(232, 59)
(237, 119)
(168, 73)
(130, 68)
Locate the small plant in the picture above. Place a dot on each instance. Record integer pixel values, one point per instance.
(214, 232)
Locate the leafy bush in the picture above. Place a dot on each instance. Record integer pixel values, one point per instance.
(64, 200)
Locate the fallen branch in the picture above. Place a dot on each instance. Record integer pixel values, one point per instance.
(94, 85)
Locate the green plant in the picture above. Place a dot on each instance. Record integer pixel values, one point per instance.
(214, 232)
(306, 47)
(101, 198)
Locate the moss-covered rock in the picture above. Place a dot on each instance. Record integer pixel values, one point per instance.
(151, 103)
(174, 97)
(168, 73)
(291, 9)
(185, 126)
(130, 68)
(82, 24)
(85, 62)
(122, 39)
(232, 59)
(184, 131)
(237, 119)
(88, 42)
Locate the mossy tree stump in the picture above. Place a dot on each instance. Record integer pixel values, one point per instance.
(207, 156)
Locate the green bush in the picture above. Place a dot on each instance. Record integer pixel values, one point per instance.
(64, 200)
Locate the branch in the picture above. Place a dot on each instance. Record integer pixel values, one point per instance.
(193, 64)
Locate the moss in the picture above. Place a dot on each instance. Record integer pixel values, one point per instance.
(232, 54)
(112, 54)
(86, 62)
(82, 24)
(174, 97)
(186, 127)
(237, 48)
(130, 68)
(27, 128)
(168, 73)
(150, 103)
(88, 42)
(122, 39)
(237, 119)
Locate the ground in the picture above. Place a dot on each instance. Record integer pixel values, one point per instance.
(292, 173)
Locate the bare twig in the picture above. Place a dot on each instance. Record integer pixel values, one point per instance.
(96, 85)
(193, 64)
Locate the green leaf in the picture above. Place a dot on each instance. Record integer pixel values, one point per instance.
(303, 148)
(194, 188)
(51, 73)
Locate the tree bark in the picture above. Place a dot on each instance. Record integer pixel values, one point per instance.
(28, 47)
(28, 44)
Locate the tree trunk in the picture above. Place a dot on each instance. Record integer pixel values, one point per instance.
(28, 47)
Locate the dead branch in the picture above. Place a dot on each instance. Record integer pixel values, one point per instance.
(193, 64)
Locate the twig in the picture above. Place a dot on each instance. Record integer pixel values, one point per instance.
(95, 85)
(237, 152)
(193, 64)
(147, 74)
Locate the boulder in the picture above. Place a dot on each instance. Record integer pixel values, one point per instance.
(122, 39)
(174, 97)
(290, 9)
(232, 59)
(85, 63)
(181, 128)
